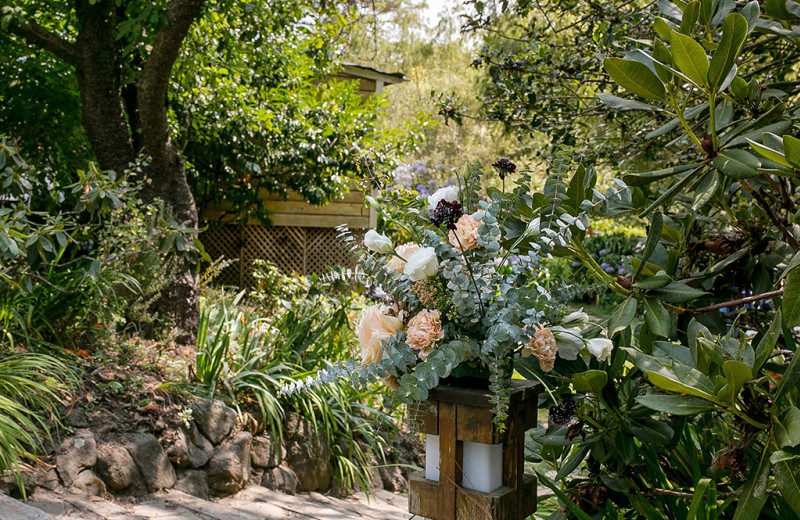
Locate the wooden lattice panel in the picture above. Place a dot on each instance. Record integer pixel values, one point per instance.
(223, 241)
(299, 250)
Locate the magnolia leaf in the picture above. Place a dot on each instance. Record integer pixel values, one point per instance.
(657, 318)
(786, 469)
(635, 77)
(734, 34)
(656, 281)
(675, 404)
(790, 379)
(791, 146)
(737, 164)
(677, 292)
(625, 104)
(664, 28)
(736, 375)
(662, 55)
(787, 429)
(791, 299)
(754, 492)
(690, 58)
(768, 342)
(640, 179)
(690, 15)
(590, 381)
(622, 316)
(673, 385)
(770, 153)
(752, 13)
(653, 236)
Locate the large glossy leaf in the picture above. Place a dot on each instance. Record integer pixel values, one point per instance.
(625, 104)
(690, 15)
(674, 385)
(787, 429)
(670, 193)
(770, 153)
(768, 342)
(751, 12)
(677, 292)
(791, 147)
(786, 469)
(657, 281)
(622, 316)
(662, 55)
(790, 379)
(635, 77)
(791, 299)
(653, 236)
(754, 492)
(590, 381)
(690, 58)
(675, 404)
(736, 375)
(657, 318)
(734, 34)
(737, 164)
(640, 179)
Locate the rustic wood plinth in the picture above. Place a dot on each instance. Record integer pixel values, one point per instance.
(457, 415)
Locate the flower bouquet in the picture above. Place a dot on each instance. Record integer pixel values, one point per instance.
(461, 295)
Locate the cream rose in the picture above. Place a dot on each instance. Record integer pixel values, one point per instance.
(448, 193)
(424, 330)
(466, 233)
(422, 264)
(403, 251)
(378, 242)
(600, 348)
(569, 342)
(375, 327)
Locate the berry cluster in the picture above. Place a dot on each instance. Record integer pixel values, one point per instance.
(561, 414)
(447, 213)
(504, 166)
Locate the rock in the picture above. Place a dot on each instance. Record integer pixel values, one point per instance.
(76, 454)
(193, 482)
(10, 486)
(266, 452)
(308, 454)
(280, 478)
(88, 482)
(116, 467)
(214, 419)
(392, 478)
(229, 468)
(46, 479)
(188, 447)
(151, 461)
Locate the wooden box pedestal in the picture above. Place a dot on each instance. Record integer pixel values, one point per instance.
(457, 415)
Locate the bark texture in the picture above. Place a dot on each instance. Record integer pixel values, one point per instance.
(125, 121)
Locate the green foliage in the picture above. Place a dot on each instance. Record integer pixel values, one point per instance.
(31, 385)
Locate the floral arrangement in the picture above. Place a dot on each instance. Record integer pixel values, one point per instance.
(460, 297)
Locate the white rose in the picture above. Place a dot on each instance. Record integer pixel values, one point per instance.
(569, 342)
(576, 318)
(448, 193)
(422, 264)
(600, 348)
(533, 227)
(378, 242)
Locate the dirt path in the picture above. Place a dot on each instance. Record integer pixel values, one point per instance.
(253, 503)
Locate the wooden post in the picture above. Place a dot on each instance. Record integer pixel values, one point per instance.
(459, 415)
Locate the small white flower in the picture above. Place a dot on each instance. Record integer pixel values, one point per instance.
(422, 264)
(600, 348)
(569, 342)
(448, 193)
(378, 242)
(576, 318)
(533, 227)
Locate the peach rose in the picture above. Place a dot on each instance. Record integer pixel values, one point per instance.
(424, 330)
(543, 346)
(375, 327)
(403, 251)
(466, 233)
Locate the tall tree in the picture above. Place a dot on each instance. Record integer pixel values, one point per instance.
(215, 96)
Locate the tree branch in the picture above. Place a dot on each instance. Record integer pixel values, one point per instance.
(36, 35)
(740, 301)
(156, 74)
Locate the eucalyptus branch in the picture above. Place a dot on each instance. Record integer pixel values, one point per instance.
(471, 276)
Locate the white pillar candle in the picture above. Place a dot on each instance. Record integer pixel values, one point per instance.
(432, 457)
(483, 466)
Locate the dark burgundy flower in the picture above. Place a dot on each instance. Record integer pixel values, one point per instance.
(561, 414)
(504, 166)
(447, 213)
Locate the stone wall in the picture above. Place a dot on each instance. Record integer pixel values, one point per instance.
(209, 456)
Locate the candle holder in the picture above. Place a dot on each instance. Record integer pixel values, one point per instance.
(480, 472)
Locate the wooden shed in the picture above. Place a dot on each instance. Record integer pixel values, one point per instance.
(302, 238)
